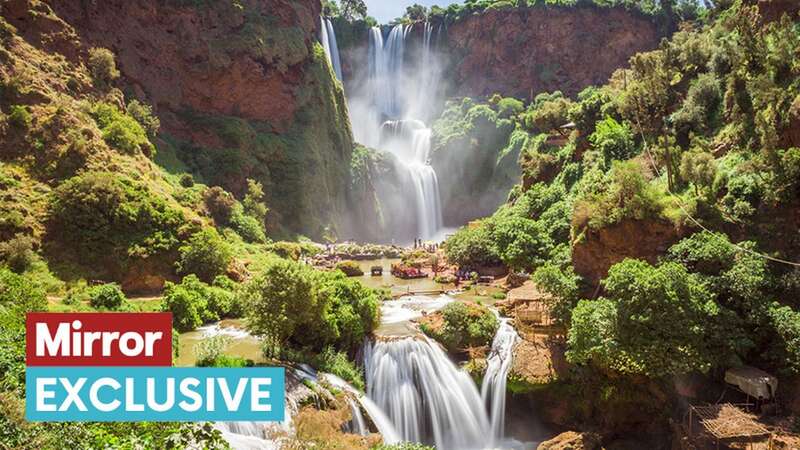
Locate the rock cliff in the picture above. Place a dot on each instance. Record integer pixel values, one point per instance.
(523, 51)
(242, 89)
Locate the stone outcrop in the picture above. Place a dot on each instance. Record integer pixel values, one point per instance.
(598, 249)
(524, 51)
(572, 440)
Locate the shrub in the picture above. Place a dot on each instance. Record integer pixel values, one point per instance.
(187, 302)
(113, 217)
(206, 255)
(102, 66)
(657, 321)
(548, 114)
(18, 253)
(106, 296)
(563, 285)
(19, 294)
(350, 268)
(337, 363)
(521, 243)
(291, 303)
(187, 180)
(20, 117)
(471, 247)
(613, 139)
(465, 325)
(248, 227)
(786, 325)
(698, 168)
(143, 114)
(120, 130)
(509, 107)
(253, 202)
(220, 204)
(210, 352)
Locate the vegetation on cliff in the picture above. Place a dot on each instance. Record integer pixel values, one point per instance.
(698, 134)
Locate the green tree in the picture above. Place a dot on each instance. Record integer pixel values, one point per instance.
(102, 66)
(416, 13)
(353, 9)
(206, 254)
(655, 322)
(698, 168)
(106, 296)
(613, 139)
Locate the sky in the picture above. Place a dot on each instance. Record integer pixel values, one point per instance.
(386, 10)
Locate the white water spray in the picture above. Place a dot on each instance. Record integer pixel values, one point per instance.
(328, 40)
(427, 398)
(498, 363)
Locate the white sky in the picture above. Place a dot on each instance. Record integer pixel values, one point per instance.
(386, 10)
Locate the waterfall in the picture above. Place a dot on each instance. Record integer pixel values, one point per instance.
(328, 40)
(493, 389)
(358, 424)
(427, 398)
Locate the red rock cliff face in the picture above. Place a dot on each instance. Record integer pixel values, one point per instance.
(521, 52)
(243, 90)
(202, 57)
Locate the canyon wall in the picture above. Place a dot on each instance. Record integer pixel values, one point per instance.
(520, 52)
(242, 89)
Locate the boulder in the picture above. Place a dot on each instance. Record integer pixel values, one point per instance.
(572, 440)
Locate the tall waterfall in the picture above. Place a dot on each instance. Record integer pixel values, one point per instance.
(493, 389)
(328, 40)
(427, 398)
(397, 93)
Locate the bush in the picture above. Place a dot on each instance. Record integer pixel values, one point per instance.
(187, 180)
(548, 113)
(614, 140)
(657, 321)
(19, 294)
(563, 285)
(143, 114)
(206, 254)
(248, 227)
(220, 204)
(509, 107)
(210, 352)
(107, 296)
(291, 303)
(121, 131)
(187, 303)
(521, 244)
(18, 253)
(465, 325)
(20, 117)
(337, 363)
(471, 247)
(350, 268)
(114, 218)
(102, 66)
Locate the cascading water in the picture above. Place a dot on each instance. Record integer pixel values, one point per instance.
(427, 398)
(328, 40)
(498, 363)
(395, 96)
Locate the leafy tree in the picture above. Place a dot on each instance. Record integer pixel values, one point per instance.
(102, 66)
(220, 204)
(353, 9)
(206, 254)
(330, 8)
(143, 113)
(416, 13)
(471, 247)
(548, 114)
(253, 202)
(521, 243)
(187, 303)
(563, 285)
(120, 130)
(290, 303)
(655, 322)
(465, 325)
(18, 252)
(699, 168)
(106, 296)
(613, 139)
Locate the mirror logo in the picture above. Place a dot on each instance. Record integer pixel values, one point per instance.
(115, 367)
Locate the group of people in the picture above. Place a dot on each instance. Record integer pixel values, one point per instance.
(430, 248)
